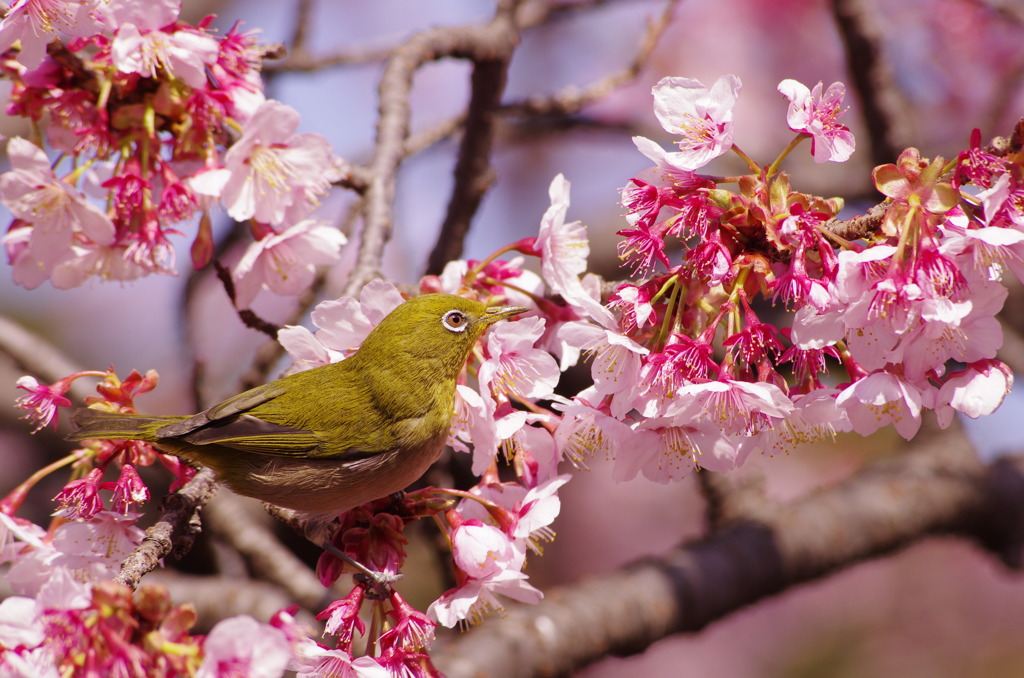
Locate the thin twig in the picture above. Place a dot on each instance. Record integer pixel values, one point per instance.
(573, 99)
(392, 133)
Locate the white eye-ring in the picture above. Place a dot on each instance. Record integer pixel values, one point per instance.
(456, 321)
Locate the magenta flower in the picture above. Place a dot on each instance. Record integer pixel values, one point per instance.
(811, 112)
(81, 498)
(42, 401)
(702, 116)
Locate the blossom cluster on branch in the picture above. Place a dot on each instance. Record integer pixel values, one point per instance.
(754, 324)
(156, 121)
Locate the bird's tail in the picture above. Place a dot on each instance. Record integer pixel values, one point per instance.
(90, 424)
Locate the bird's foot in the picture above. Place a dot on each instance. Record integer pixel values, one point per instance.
(376, 582)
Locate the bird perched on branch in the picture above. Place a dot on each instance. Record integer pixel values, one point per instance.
(328, 439)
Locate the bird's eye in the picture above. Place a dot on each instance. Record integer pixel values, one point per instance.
(456, 321)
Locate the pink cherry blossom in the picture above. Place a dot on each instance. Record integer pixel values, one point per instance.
(142, 44)
(491, 564)
(702, 116)
(880, 399)
(36, 23)
(513, 365)
(585, 432)
(736, 407)
(976, 391)
(56, 211)
(242, 646)
(342, 324)
(817, 114)
(667, 449)
(285, 263)
(616, 362)
(103, 541)
(319, 662)
(271, 174)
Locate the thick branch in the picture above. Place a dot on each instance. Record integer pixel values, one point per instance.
(939, 489)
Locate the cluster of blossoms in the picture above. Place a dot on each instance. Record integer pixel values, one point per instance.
(155, 120)
(687, 375)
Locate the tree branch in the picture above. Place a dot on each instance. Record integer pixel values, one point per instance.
(175, 531)
(491, 52)
(871, 78)
(940, 488)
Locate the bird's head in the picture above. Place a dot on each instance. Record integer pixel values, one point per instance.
(433, 331)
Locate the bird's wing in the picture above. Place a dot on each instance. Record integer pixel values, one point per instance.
(228, 424)
(255, 421)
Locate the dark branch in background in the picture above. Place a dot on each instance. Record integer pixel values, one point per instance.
(939, 488)
(871, 78)
(491, 52)
(174, 533)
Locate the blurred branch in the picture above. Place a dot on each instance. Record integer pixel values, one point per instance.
(174, 532)
(217, 597)
(229, 518)
(573, 99)
(36, 356)
(871, 77)
(938, 488)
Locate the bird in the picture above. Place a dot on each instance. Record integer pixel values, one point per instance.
(325, 440)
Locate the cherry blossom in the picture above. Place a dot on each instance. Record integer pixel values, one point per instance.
(342, 324)
(513, 365)
(491, 564)
(976, 391)
(882, 398)
(271, 174)
(702, 116)
(141, 43)
(55, 210)
(242, 646)
(42, 401)
(285, 263)
(36, 23)
(817, 114)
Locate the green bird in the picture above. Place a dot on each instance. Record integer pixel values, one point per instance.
(333, 437)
